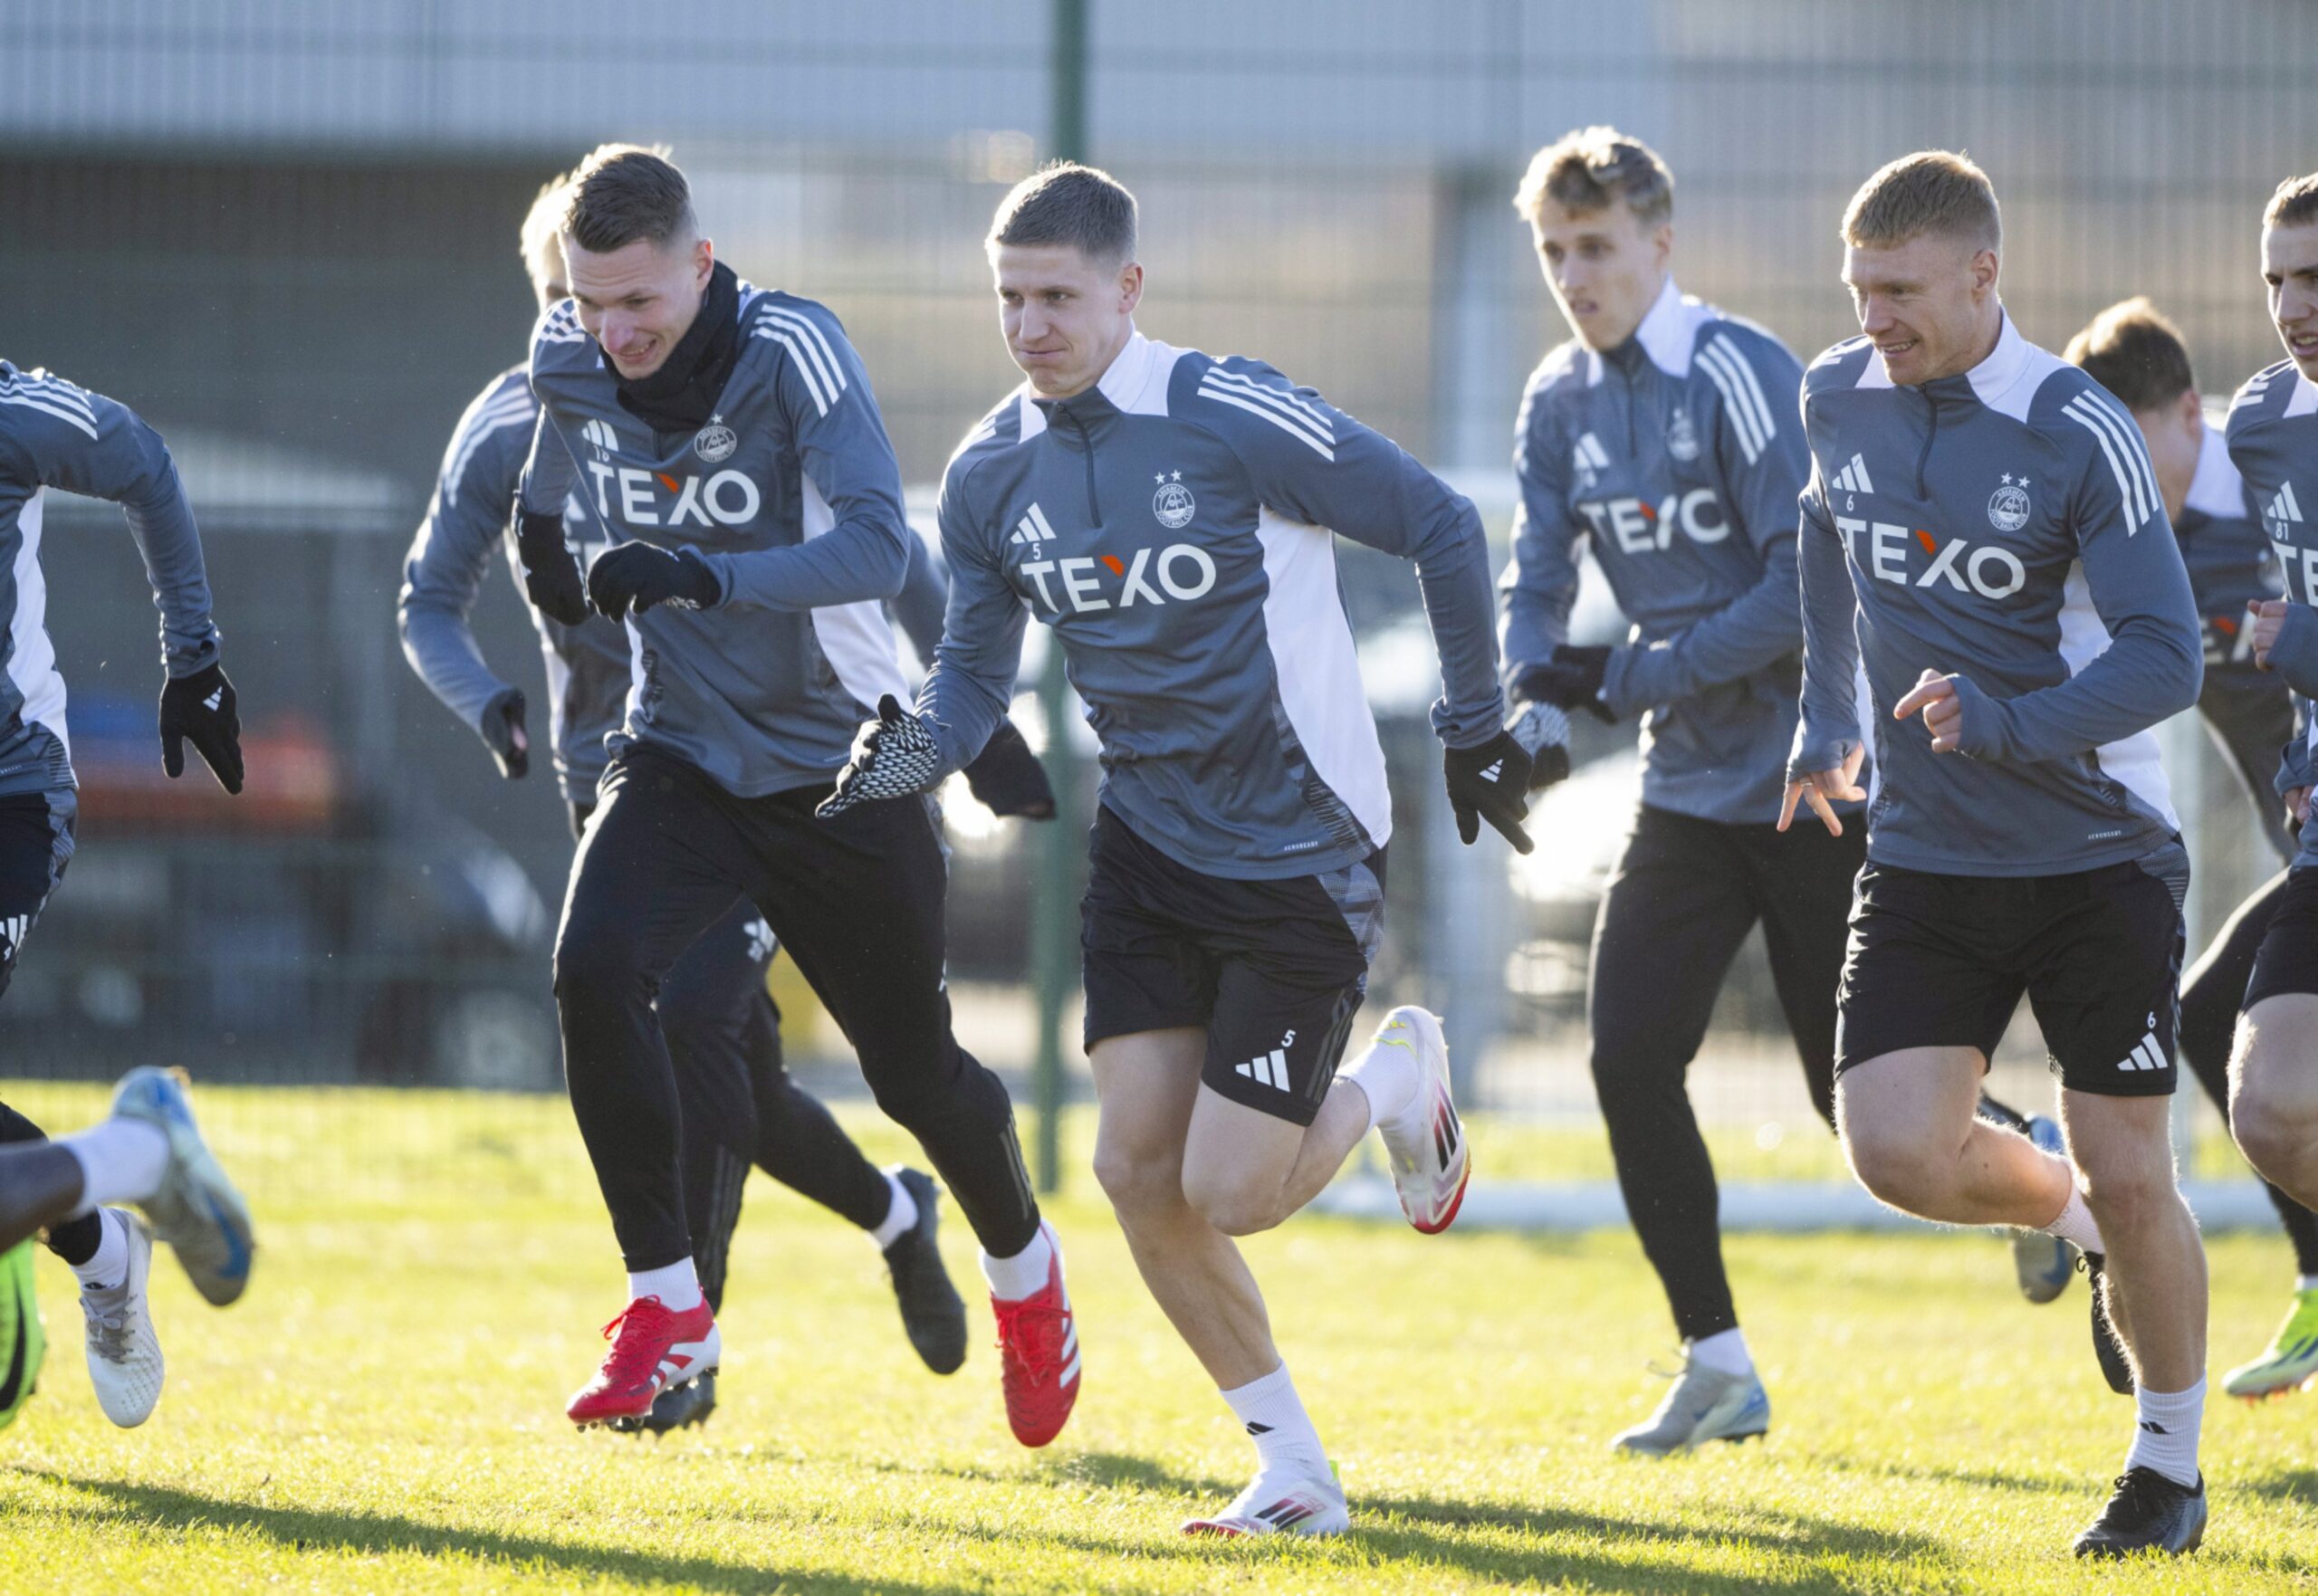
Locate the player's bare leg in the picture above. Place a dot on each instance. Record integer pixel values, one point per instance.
(2273, 1092)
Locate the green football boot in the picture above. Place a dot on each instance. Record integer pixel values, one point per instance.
(2291, 1359)
(21, 1334)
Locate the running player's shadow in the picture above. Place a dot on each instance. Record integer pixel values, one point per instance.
(328, 1532)
(1436, 1530)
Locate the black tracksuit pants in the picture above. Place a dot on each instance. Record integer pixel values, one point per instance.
(738, 1104)
(2251, 717)
(857, 901)
(1681, 902)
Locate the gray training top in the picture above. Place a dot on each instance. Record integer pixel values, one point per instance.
(790, 494)
(588, 666)
(2004, 525)
(1678, 455)
(54, 434)
(2273, 433)
(1174, 524)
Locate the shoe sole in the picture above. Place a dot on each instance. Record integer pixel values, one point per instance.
(1448, 1215)
(625, 1422)
(2284, 1388)
(2041, 1285)
(140, 1241)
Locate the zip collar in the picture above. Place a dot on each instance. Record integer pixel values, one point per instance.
(1993, 377)
(1663, 337)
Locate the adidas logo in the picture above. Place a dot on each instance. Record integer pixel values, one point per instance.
(214, 700)
(2153, 1428)
(2144, 1055)
(1494, 772)
(1032, 529)
(13, 930)
(1853, 478)
(1588, 456)
(1254, 1428)
(600, 434)
(1270, 1070)
(2284, 507)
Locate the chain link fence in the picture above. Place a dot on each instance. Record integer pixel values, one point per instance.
(287, 235)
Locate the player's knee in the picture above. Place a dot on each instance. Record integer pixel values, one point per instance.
(2126, 1187)
(1142, 1183)
(1896, 1168)
(593, 969)
(2277, 1132)
(1234, 1201)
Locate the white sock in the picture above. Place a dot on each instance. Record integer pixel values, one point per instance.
(2165, 1432)
(1724, 1352)
(900, 1215)
(1024, 1274)
(2306, 1283)
(676, 1284)
(2074, 1223)
(121, 1161)
(1272, 1414)
(107, 1268)
(1387, 1076)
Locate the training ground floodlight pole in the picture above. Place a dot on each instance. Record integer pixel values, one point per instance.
(1055, 917)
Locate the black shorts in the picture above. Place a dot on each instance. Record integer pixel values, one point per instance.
(2287, 961)
(1942, 961)
(35, 845)
(1273, 971)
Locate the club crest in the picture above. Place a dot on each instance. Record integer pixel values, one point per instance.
(716, 441)
(1681, 437)
(1173, 504)
(2008, 505)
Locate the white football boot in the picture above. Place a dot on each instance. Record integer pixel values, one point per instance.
(1426, 1143)
(1282, 1501)
(124, 1354)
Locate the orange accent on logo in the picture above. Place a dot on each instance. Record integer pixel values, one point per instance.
(1924, 537)
(667, 482)
(2227, 627)
(1118, 566)
(1647, 513)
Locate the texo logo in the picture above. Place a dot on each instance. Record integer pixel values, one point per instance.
(1182, 571)
(727, 499)
(1638, 527)
(1988, 570)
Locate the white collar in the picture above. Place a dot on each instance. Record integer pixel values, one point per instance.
(1993, 377)
(1666, 332)
(2216, 489)
(1122, 382)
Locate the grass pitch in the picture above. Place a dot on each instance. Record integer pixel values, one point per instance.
(383, 1412)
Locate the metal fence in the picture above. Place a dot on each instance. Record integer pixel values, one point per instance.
(287, 235)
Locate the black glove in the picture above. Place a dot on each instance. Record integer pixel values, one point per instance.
(1543, 732)
(1572, 681)
(636, 576)
(551, 575)
(1008, 779)
(894, 756)
(1489, 783)
(201, 707)
(503, 734)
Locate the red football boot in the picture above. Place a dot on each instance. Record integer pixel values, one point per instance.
(1038, 1354)
(654, 1350)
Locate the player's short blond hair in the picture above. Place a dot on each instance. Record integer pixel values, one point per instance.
(543, 240)
(2293, 205)
(1937, 191)
(1587, 170)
